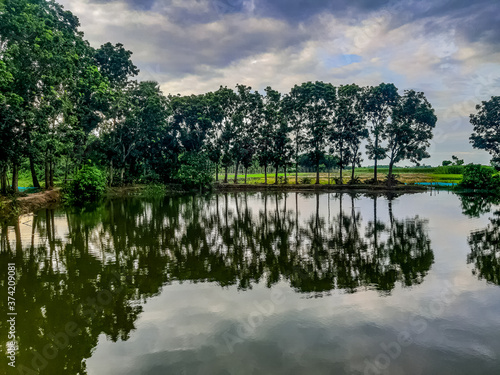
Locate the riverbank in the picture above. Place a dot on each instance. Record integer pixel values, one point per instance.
(322, 187)
(50, 198)
(30, 203)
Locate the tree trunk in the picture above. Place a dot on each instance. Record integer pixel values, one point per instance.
(317, 172)
(15, 178)
(285, 173)
(66, 169)
(265, 174)
(389, 176)
(376, 160)
(111, 172)
(47, 172)
(236, 172)
(36, 183)
(122, 176)
(216, 172)
(246, 172)
(51, 181)
(352, 173)
(3, 179)
(341, 178)
(276, 175)
(225, 175)
(328, 176)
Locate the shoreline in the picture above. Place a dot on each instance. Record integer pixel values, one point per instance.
(50, 198)
(382, 189)
(25, 205)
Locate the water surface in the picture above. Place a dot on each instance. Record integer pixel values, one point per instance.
(258, 284)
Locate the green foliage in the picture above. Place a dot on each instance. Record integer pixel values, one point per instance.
(355, 181)
(479, 177)
(282, 180)
(486, 135)
(450, 169)
(195, 172)
(306, 180)
(154, 191)
(88, 185)
(392, 179)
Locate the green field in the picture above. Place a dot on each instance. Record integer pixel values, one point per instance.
(406, 175)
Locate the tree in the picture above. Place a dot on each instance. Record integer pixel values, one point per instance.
(379, 102)
(349, 127)
(267, 128)
(457, 161)
(317, 102)
(292, 105)
(10, 107)
(222, 136)
(245, 120)
(446, 163)
(486, 123)
(410, 130)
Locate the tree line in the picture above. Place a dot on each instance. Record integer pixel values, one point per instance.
(64, 104)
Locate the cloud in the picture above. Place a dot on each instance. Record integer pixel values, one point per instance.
(447, 49)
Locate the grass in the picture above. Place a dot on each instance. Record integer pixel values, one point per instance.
(406, 175)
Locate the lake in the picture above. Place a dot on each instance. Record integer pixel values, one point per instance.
(257, 283)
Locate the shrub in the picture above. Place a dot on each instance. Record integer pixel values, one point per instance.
(393, 180)
(371, 181)
(195, 172)
(450, 169)
(88, 185)
(355, 181)
(154, 191)
(282, 180)
(338, 181)
(306, 180)
(479, 177)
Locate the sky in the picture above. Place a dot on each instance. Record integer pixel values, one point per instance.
(448, 49)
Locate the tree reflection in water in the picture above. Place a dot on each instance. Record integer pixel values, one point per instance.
(117, 255)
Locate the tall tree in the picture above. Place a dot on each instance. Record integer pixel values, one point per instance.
(317, 102)
(380, 100)
(410, 130)
(267, 128)
(348, 129)
(486, 123)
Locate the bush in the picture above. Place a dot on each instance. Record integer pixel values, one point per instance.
(306, 180)
(478, 177)
(393, 180)
(195, 172)
(154, 191)
(88, 185)
(450, 169)
(355, 181)
(282, 180)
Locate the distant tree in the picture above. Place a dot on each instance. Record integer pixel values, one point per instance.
(349, 129)
(271, 107)
(457, 161)
(486, 123)
(317, 102)
(410, 130)
(380, 101)
(446, 163)
(245, 120)
(293, 105)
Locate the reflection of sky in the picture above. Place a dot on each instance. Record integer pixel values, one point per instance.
(183, 330)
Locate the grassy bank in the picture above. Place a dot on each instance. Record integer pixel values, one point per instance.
(405, 175)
